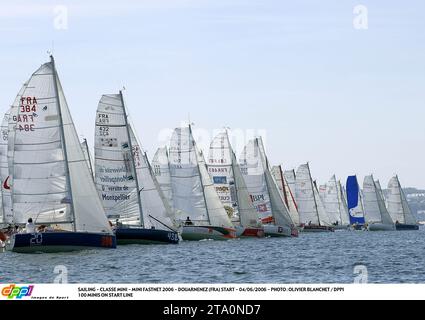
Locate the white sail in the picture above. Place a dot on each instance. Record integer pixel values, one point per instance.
(374, 204)
(194, 193)
(398, 207)
(122, 170)
(152, 199)
(332, 200)
(220, 170)
(216, 212)
(87, 156)
(188, 196)
(289, 179)
(324, 218)
(342, 198)
(161, 169)
(286, 193)
(5, 200)
(262, 186)
(247, 212)
(51, 181)
(229, 182)
(310, 205)
(305, 197)
(114, 170)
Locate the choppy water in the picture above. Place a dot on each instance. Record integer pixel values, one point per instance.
(390, 257)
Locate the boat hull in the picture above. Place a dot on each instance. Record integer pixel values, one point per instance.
(380, 227)
(145, 236)
(277, 231)
(248, 232)
(315, 229)
(197, 233)
(406, 227)
(51, 242)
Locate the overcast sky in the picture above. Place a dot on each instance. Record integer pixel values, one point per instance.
(348, 100)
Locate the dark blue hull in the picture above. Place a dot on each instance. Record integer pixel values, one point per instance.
(406, 227)
(60, 241)
(146, 236)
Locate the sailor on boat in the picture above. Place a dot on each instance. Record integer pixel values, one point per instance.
(30, 226)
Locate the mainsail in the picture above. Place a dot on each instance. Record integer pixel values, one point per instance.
(354, 201)
(50, 179)
(398, 206)
(124, 179)
(342, 198)
(310, 206)
(262, 186)
(333, 201)
(374, 204)
(194, 194)
(286, 192)
(229, 183)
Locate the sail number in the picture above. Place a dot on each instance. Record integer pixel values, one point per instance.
(36, 239)
(26, 127)
(173, 236)
(106, 241)
(104, 131)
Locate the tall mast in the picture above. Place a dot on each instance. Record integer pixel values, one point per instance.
(314, 197)
(401, 198)
(232, 155)
(130, 144)
(199, 171)
(62, 133)
(88, 156)
(283, 186)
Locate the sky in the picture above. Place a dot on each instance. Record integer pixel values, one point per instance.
(321, 81)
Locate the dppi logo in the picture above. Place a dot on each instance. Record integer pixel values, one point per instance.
(16, 292)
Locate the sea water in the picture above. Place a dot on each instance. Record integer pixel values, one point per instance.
(379, 257)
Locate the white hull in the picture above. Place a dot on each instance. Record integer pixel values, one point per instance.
(197, 233)
(380, 227)
(276, 231)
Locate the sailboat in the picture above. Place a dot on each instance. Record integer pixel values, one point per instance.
(48, 176)
(231, 188)
(196, 203)
(355, 203)
(125, 182)
(264, 191)
(286, 193)
(335, 206)
(398, 207)
(313, 215)
(161, 170)
(376, 213)
(5, 214)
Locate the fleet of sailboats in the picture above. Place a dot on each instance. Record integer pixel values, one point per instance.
(49, 179)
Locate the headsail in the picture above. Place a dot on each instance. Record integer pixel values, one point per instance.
(50, 179)
(354, 201)
(310, 206)
(286, 193)
(374, 203)
(262, 186)
(398, 206)
(193, 191)
(229, 183)
(5, 200)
